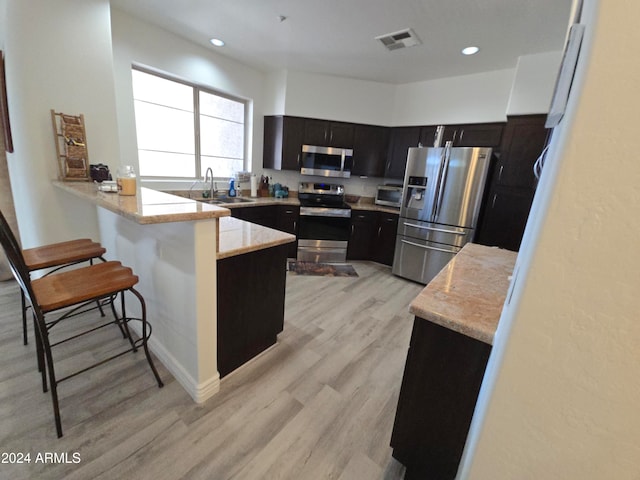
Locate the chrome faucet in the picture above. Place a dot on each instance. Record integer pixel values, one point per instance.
(209, 178)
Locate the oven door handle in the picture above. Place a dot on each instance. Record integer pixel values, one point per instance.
(426, 247)
(325, 212)
(432, 229)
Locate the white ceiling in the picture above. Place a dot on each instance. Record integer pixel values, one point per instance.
(336, 37)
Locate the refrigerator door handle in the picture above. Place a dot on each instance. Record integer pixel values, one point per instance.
(432, 229)
(436, 194)
(426, 247)
(443, 182)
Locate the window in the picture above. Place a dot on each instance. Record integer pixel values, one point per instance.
(184, 129)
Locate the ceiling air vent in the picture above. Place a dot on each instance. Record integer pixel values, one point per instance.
(402, 39)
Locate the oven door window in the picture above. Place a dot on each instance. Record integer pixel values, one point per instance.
(324, 228)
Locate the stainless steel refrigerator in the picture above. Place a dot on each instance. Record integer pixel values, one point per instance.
(442, 194)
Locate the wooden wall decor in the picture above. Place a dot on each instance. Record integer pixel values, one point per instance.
(71, 146)
(4, 108)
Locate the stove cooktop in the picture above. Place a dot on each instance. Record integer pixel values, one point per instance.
(325, 195)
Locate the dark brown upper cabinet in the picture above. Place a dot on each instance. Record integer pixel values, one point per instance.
(370, 145)
(283, 138)
(401, 139)
(474, 134)
(328, 134)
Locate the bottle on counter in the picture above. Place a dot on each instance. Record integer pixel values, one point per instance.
(254, 185)
(232, 188)
(126, 180)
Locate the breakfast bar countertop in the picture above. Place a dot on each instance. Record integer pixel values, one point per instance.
(148, 206)
(468, 294)
(239, 236)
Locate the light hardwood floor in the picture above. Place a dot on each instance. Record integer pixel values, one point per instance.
(318, 405)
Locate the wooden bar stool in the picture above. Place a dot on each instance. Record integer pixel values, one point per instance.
(56, 255)
(75, 288)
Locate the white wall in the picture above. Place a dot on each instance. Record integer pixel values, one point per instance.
(484, 97)
(466, 99)
(58, 56)
(137, 42)
(534, 83)
(3, 21)
(336, 98)
(275, 92)
(560, 398)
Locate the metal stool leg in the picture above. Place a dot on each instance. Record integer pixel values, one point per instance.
(124, 323)
(24, 318)
(112, 301)
(40, 354)
(145, 336)
(54, 384)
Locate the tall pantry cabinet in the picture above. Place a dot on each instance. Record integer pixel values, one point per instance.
(512, 183)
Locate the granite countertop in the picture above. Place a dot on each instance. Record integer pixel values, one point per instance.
(467, 296)
(370, 206)
(147, 206)
(365, 203)
(238, 237)
(259, 201)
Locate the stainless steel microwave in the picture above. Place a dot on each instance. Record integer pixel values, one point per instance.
(389, 195)
(326, 161)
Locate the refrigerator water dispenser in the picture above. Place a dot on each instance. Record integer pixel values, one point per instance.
(416, 192)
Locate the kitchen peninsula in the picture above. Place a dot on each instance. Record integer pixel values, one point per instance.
(174, 245)
(456, 316)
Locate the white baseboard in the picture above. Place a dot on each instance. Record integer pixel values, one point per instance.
(199, 392)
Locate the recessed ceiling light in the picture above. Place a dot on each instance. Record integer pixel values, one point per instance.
(470, 50)
(217, 42)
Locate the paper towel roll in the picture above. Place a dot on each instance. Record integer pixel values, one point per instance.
(254, 186)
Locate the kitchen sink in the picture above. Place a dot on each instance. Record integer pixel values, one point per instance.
(225, 200)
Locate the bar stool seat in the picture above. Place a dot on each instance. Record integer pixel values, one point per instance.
(62, 253)
(78, 286)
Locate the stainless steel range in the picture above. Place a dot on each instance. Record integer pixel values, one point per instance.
(325, 219)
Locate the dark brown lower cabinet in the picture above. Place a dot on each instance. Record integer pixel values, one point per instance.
(251, 290)
(265, 215)
(363, 231)
(373, 236)
(287, 221)
(440, 386)
(385, 240)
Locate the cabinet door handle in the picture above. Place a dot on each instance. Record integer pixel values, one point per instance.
(295, 226)
(352, 230)
(461, 135)
(379, 231)
(298, 160)
(500, 172)
(493, 203)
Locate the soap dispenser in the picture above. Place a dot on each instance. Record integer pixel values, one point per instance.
(232, 188)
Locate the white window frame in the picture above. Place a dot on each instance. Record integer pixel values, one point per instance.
(199, 173)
